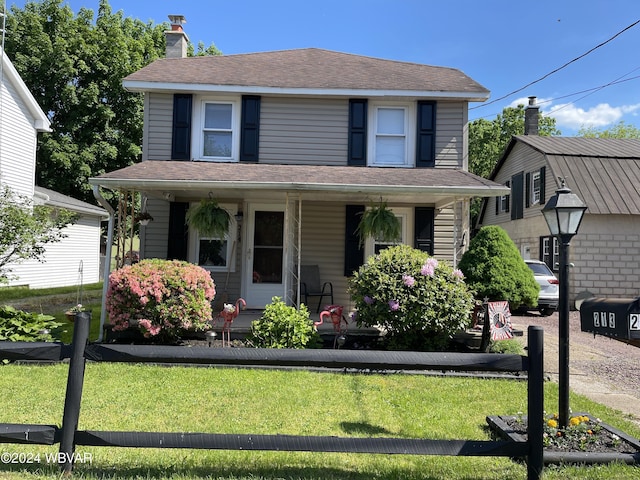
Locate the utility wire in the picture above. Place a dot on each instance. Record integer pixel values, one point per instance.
(559, 68)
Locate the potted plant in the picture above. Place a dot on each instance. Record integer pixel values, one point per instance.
(209, 218)
(71, 313)
(144, 218)
(379, 222)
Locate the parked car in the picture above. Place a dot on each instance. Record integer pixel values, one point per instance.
(549, 287)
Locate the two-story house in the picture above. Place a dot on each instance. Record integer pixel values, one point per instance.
(76, 258)
(295, 144)
(605, 174)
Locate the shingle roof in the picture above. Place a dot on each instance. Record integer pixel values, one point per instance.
(232, 177)
(308, 68)
(57, 199)
(603, 172)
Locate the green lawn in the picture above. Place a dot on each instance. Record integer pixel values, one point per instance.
(229, 400)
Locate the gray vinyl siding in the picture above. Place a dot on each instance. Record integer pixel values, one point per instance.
(522, 159)
(158, 126)
(323, 238)
(451, 134)
(155, 236)
(444, 233)
(303, 131)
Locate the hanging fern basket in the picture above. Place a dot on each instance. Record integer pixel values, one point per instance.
(379, 222)
(209, 218)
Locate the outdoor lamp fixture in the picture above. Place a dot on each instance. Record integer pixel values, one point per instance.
(563, 213)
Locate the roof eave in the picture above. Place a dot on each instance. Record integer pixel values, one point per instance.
(165, 87)
(151, 184)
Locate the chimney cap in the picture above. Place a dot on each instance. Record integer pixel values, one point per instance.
(177, 21)
(532, 101)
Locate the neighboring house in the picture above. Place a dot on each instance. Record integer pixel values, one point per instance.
(296, 144)
(21, 119)
(605, 174)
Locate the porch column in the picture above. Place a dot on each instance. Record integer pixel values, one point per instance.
(292, 248)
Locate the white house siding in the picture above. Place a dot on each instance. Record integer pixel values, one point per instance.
(450, 134)
(62, 260)
(304, 131)
(158, 121)
(17, 143)
(606, 255)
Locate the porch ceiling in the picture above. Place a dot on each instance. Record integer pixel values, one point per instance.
(191, 180)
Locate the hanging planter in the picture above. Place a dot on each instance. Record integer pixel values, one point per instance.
(379, 222)
(209, 218)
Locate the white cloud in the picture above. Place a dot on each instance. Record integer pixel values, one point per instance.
(602, 115)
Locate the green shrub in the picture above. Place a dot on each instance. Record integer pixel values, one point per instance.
(282, 326)
(494, 269)
(20, 326)
(420, 302)
(164, 299)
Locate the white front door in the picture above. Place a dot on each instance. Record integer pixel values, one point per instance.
(264, 254)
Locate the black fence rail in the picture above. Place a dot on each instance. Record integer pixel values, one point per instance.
(80, 351)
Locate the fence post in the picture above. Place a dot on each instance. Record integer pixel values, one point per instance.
(73, 395)
(535, 400)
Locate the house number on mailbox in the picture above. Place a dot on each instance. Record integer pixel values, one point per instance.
(600, 319)
(634, 321)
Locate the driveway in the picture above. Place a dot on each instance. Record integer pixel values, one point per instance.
(605, 370)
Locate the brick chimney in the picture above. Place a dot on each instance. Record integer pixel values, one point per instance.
(177, 40)
(531, 115)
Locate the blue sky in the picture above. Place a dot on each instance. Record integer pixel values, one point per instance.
(502, 44)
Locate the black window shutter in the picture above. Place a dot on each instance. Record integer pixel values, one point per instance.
(353, 251)
(527, 191)
(517, 210)
(497, 205)
(424, 224)
(177, 246)
(543, 172)
(250, 128)
(181, 132)
(426, 138)
(357, 145)
(508, 184)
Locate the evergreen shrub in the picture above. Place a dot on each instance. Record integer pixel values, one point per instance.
(494, 269)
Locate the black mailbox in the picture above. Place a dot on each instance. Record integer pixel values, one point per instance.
(611, 317)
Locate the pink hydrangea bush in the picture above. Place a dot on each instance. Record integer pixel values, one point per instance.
(162, 298)
(421, 302)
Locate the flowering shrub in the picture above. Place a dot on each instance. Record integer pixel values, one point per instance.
(162, 298)
(420, 301)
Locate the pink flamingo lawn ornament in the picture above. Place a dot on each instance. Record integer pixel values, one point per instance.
(335, 313)
(228, 314)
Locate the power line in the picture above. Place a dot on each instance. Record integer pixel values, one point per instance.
(559, 68)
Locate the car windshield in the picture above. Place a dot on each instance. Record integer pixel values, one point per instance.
(540, 269)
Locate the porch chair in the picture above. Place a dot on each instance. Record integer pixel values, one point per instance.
(310, 285)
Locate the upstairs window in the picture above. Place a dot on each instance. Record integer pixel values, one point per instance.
(392, 138)
(219, 135)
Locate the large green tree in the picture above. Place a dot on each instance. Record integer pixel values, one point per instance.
(74, 66)
(619, 130)
(489, 138)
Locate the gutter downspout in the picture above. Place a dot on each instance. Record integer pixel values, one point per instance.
(107, 257)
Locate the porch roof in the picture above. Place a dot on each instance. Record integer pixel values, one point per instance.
(190, 179)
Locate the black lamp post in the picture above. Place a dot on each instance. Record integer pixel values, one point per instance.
(563, 213)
